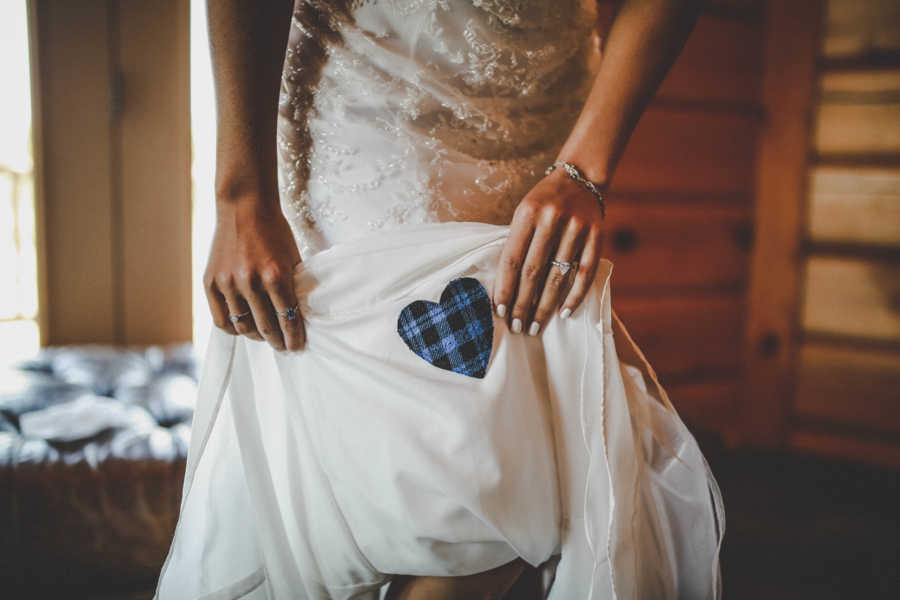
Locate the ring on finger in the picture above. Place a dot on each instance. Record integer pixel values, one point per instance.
(236, 318)
(564, 266)
(291, 313)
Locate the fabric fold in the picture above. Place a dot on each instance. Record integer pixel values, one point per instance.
(331, 469)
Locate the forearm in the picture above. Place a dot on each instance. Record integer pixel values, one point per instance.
(645, 38)
(247, 43)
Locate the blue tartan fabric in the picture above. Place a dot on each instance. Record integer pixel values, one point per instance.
(456, 333)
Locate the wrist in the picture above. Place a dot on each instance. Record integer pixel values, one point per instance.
(592, 170)
(246, 168)
(244, 190)
(573, 173)
(247, 206)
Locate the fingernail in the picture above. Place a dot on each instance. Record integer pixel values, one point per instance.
(564, 313)
(501, 310)
(517, 325)
(535, 327)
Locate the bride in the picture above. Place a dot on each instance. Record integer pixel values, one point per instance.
(339, 119)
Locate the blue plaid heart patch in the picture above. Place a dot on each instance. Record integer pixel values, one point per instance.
(456, 333)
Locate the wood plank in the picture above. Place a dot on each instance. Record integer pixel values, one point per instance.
(751, 6)
(745, 9)
(850, 386)
(855, 205)
(675, 148)
(709, 405)
(721, 62)
(857, 129)
(859, 113)
(855, 28)
(685, 336)
(852, 297)
(790, 65)
(870, 85)
(876, 451)
(662, 245)
(155, 159)
(77, 192)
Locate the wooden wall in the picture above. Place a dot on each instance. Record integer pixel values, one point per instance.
(847, 397)
(111, 90)
(681, 214)
(755, 227)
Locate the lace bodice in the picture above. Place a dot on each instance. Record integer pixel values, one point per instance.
(402, 111)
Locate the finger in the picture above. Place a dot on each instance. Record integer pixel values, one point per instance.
(218, 308)
(237, 305)
(590, 259)
(534, 269)
(511, 258)
(556, 283)
(281, 294)
(264, 316)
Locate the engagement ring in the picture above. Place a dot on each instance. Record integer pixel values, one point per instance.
(291, 313)
(563, 265)
(236, 318)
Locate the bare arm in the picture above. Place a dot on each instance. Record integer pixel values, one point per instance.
(248, 39)
(559, 218)
(644, 40)
(253, 254)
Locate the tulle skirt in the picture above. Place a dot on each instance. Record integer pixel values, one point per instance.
(415, 434)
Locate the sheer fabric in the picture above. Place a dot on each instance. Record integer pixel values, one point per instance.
(319, 474)
(408, 131)
(413, 111)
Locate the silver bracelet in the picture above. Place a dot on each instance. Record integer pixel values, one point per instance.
(576, 174)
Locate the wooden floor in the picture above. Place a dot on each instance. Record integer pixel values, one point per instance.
(803, 527)
(796, 528)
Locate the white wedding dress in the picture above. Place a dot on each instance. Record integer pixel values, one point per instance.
(413, 111)
(408, 131)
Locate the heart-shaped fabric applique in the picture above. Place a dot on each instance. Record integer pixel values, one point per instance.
(456, 333)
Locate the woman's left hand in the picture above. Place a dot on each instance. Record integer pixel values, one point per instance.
(558, 219)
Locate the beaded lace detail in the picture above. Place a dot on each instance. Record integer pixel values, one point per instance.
(409, 111)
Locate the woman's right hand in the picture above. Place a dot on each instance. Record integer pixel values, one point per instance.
(251, 269)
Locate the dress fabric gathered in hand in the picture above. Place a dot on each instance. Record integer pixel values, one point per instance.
(318, 474)
(415, 434)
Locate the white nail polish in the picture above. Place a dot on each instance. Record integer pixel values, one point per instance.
(516, 325)
(501, 310)
(565, 312)
(534, 328)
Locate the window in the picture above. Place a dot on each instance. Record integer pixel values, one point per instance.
(19, 331)
(203, 142)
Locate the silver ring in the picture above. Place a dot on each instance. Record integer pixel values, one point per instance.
(236, 318)
(563, 265)
(291, 313)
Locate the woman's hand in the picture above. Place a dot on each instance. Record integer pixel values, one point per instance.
(253, 254)
(251, 269)
(558, 219)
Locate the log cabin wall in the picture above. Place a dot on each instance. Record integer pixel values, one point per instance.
(680, 216)
(755, 227)
(847, 397)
